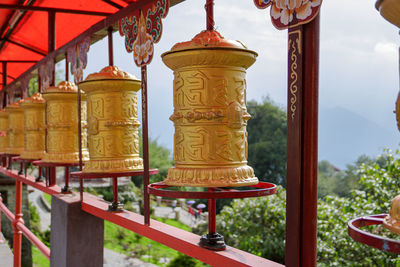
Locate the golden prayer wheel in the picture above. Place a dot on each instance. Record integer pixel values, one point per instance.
(210, 115)
(34, 127)
(15, 128)
(3, 130)
(62, 124)
(113, 125)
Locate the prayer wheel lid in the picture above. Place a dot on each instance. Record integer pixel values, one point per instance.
(390, 10)
(209, 48)
(15, 105)
(209, 39)
(111, 73)
(36, 98)
(63, 87)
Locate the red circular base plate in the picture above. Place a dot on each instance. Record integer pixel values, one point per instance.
(98, 175)
(361, 236)
(23, 160)
(260, 189)
(54, 164)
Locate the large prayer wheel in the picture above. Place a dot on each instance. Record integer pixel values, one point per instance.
(34, 127)
(15, 128)
(62, 124)
(210, 115)
(112, 121)
(3, 130)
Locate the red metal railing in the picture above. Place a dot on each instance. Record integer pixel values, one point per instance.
(363, 236)
(19, 227)
(170, 236)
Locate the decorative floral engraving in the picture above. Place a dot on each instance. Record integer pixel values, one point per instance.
(77, 55)
(290, 13)
(46, 73)
(141, 34)
(294, 51)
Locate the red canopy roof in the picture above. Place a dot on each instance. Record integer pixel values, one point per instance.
(24, 33)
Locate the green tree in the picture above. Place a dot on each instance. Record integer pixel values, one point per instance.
(329, 178)
(267, 130)
(256, 225)
(182, 260)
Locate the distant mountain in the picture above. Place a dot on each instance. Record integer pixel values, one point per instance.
(345, 135)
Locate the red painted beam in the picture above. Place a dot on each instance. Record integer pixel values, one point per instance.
(172, 237)
(30, 180)
(58, 10)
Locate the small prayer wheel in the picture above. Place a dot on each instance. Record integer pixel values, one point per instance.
(3, 130)
(34, 127)
(210, 115)
(15, 128)
(113, 125)
(62, 124)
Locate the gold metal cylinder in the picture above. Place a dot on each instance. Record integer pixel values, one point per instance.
(3, 130)
(113, 125)
(210, 115)
(62, 124)
(34, 127)
(15, 128)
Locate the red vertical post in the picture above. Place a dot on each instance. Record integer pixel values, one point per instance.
(17, 243)
(302, 145)
(212, 208)
(293, 173)
(210, 15)
(66, 181)
(66, 67)
(52, 40)
(4, 83)
(110, 47)
(80, 140)
(40, 89)
(1, 240)
(310, 143)
(145, 135)
(115, 190)
(52, 176)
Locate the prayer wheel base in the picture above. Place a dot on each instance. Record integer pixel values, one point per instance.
(213, 241)
(32, 154)
(391, 224)
(14, 151)
(211, 177)
(65, 157)
(116, 165)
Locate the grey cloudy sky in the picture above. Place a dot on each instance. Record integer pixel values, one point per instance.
(358, 58)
